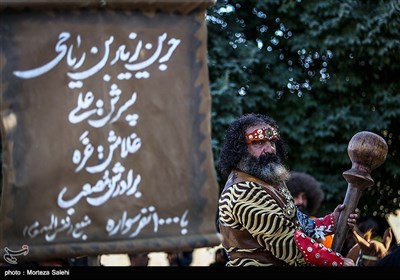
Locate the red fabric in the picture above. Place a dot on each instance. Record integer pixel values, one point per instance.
(315, 253)
(328, 222)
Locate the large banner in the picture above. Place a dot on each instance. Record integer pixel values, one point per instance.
(105, 125)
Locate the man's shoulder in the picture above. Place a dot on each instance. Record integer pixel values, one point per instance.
(242, 187)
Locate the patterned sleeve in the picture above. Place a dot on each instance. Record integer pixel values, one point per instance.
(260, 214)
(316, 228)
(315, 253)
(324, 226)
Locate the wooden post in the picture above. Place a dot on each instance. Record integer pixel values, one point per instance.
(367, 151)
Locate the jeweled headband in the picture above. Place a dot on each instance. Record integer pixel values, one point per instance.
(270, 134)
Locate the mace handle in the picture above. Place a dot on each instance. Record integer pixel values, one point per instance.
(367, 151)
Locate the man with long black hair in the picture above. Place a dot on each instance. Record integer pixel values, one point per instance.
(258, 220)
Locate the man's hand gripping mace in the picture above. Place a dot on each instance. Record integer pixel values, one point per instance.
(367, 151)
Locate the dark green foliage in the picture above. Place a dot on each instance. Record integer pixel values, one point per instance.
(342, 61)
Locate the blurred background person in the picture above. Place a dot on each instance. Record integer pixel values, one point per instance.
(183, 258)
(221, 258)
(306, 192)
(308, 195)
(139, 259)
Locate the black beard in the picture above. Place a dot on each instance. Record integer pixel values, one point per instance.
(267, 167)
(303, 209)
